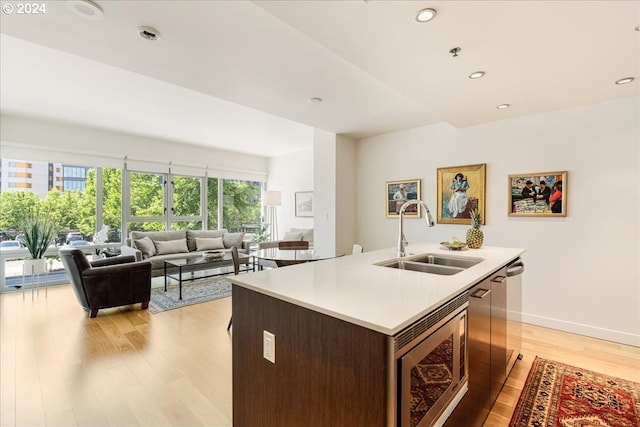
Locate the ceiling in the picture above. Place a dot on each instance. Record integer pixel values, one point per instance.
(238, 75)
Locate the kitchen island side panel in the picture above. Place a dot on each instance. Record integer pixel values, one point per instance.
(328, 372)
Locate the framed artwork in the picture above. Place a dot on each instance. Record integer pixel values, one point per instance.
(538, 194)
(460, 190)
(304, 203)
(398, 193)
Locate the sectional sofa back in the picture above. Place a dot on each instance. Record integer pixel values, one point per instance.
(229, 239)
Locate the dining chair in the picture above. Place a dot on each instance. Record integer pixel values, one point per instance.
(236, 270)
(293, 244)
(357, 249)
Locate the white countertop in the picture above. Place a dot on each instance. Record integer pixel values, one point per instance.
(383, 299)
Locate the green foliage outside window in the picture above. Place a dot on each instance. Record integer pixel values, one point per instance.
(76, 210)
(241, 203)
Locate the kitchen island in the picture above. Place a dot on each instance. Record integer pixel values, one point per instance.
(330, 324)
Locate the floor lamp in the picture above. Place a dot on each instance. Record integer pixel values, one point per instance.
(272, 199)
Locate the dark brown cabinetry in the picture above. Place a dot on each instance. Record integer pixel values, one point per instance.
(487, 340)
(328, 372)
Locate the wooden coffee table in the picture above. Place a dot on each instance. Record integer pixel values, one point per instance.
(191, 265)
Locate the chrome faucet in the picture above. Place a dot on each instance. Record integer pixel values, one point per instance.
(402, 242)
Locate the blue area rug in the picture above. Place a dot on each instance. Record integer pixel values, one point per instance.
(194, 292)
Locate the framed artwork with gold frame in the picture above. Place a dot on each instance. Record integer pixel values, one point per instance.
(538, 194)
(460, 190)
(398, 193)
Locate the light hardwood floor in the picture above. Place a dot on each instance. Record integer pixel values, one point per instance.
(129, 367)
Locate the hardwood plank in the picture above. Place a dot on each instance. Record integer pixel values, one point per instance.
(130, 367)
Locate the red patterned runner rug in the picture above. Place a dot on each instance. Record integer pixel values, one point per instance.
(559, 395)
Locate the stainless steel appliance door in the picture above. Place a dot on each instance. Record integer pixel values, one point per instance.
(430, 374)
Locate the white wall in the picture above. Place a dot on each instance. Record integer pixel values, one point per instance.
(31, 139)
(324, 203)
(289, 174)
(582, 272)
(346, 150)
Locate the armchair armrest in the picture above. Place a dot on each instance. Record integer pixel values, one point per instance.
(113, 261)
(127, 267)
(128, 250)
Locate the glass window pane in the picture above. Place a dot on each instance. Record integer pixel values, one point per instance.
(212, 203)
(241, 203)
(186, 196)
(186, 225)
(111, 202)
(146, 226)
(147, 194)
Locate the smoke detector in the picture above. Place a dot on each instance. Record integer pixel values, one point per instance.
(85, 8)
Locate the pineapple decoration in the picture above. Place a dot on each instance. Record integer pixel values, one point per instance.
(475, 236)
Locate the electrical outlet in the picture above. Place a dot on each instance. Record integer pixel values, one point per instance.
(269, 346)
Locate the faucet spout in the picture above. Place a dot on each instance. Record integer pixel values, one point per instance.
(402, 241)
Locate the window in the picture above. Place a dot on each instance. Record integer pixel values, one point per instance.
(111, 202)
(241, 203)
(147, 201)
(154, 204)
(212, 203)
(83, 198)
(187, 207)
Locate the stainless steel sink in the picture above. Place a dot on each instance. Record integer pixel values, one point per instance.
(445, 265)
(443, 270)
(448, 260)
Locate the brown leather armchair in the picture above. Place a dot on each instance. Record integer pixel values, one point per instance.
(109, 282)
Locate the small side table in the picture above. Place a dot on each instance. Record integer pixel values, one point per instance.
(33, 282)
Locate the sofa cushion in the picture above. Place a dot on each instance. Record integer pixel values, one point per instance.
(290, 236)
(205, 244)
(171, 246)
(233, 239)
(203, 234)
(146, 246)
(307, 233)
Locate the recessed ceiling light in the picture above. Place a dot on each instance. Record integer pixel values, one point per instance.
(637, 28)
(315, 100)
(503, 106)
(149, 33)
(85, 8)
(476, 75)
(625, 80)
(426, 15)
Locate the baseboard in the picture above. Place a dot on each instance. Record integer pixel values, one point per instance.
(581, 329)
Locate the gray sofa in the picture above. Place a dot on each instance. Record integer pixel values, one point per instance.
(291, 235)
(158, 246)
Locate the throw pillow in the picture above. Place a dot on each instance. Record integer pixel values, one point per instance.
(146, 246)
(205, 244)
(233, 239)
(292, 236)
(171, 246)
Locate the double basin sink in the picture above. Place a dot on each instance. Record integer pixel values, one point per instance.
(445, 265)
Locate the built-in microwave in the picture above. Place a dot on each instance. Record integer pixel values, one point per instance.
(430, 366)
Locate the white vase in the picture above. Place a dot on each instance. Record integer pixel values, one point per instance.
(35, 266)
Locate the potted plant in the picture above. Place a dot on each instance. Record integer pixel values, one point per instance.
(262, 233)
(38, 231)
